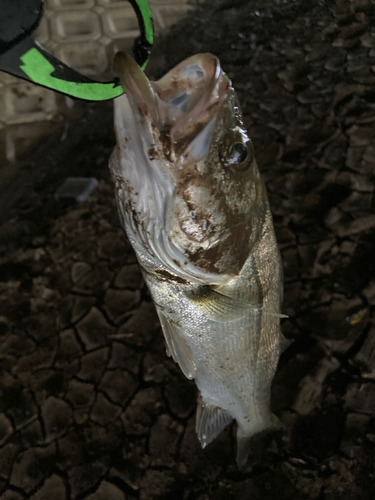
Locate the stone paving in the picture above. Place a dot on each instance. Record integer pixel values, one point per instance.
(90, 405)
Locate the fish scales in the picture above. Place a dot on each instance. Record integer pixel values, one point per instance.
(196, 212)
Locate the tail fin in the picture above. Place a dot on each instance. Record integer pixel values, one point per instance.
(271, 422)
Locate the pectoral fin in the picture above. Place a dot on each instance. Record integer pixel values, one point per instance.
(220, 307)
(177, 347)
(210, 421)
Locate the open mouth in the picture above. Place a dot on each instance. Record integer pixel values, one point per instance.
(182, 103)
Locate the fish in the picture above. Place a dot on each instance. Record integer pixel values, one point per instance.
(195, 209)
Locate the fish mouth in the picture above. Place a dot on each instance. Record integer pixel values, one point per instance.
(181, 106)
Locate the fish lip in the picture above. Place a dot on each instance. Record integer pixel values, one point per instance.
(135, 82)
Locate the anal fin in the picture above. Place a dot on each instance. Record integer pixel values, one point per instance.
(210, 421)
(177, 347)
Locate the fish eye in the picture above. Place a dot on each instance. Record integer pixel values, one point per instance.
(236, 156)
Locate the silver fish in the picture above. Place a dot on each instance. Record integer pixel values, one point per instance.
(196, 212)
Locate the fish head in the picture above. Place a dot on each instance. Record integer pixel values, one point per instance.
(188, 186)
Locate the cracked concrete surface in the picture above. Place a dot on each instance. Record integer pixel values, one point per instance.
(90, 406)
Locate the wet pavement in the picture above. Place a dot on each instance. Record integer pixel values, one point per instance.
(91, 407)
